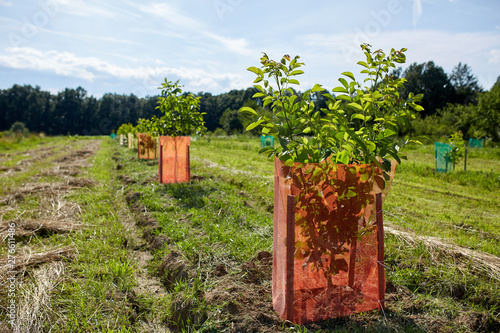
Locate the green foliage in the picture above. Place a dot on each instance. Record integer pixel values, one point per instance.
(465, 84)
(181, 115)
(126, 128)
(487, 115)
(474, 121)
(18, 128)
(359, 125)
(431, 81)
(231, 122)
(457, 148)
(146, 126)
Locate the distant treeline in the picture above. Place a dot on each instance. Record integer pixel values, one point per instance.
(452, 102)
(73, 111)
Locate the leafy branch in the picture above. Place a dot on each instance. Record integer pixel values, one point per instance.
(181, 115)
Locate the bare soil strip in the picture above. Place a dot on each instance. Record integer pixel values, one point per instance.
(146, 284)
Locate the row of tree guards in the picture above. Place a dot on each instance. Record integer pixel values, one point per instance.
(331, 174)
(172, 154)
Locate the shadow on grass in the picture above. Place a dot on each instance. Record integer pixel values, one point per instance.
(189, 195)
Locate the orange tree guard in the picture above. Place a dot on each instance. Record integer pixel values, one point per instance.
(147, 146)
(328, 240)
(174, 159)
(131, 140)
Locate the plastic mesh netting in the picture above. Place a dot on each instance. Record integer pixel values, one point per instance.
(442, 155)
(326, 242)
(174, 159)
(476, 143)
(147, 146)
(266, 141)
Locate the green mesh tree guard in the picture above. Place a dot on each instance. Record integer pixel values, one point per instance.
(442, 154)
(266, 141)
(475, 143)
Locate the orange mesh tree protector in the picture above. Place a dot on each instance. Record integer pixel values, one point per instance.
(147, 146)
(327, 240)
(174, 159)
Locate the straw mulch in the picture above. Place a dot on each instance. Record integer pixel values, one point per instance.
(29, 227)
(28, 259)
(479, 260)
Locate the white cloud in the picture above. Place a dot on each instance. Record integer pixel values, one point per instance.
(494, 56)
(327, 56)
(417, 11)
(145, 78)
(186, 25)
(85, 8)
(6, 3)
(89, 38)
(169, 13)
(435, 45)
(239, 45)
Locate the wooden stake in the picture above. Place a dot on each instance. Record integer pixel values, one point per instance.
(290, 250)
(380, 257)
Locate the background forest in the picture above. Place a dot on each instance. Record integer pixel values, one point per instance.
(453, 102)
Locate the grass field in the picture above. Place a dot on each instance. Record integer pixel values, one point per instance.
(138, 256)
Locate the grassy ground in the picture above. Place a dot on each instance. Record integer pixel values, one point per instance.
(224, 216)
(207, 239)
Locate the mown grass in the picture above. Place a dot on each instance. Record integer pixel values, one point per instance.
(225, 215)
(95, 292)
(36, 166)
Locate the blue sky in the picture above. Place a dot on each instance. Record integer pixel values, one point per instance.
(125, 47)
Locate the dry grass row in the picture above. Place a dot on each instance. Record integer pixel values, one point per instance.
(34, 307)
(479, 260)
(28, 259)
(40, 226)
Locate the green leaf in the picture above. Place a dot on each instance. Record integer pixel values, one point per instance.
(342, 157)
(293, 81)
(362, 63)
(355, 106)
(317, 88)
(266, 150)
(344, 97)
(416, 107)
(296, 72)
(349, 75)
(344, 82)
(255, 70)
(364, 176)
(246, 109)
(371, 146)
(254, 124)
(340, 89)
(395, 156)
(358, 116)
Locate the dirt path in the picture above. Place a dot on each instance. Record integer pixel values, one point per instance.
(146, 284)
